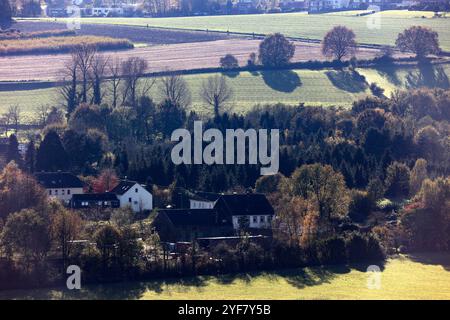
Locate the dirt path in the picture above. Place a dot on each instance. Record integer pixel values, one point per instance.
(161, 57)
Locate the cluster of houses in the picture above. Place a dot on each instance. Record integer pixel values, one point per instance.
(207, 214)
(129, 8)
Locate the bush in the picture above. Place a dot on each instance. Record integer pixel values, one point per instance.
(356, 248)
(360, 206)
(229, 62)
(332, 251)
(362, 248)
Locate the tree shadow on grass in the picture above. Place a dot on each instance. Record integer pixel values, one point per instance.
(282, 80)
(434, 258)
(389, 71)
(427, 75)
(349, 81)
(231, 73)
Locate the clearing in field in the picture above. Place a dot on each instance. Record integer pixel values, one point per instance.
(423, 276)
(312, 26)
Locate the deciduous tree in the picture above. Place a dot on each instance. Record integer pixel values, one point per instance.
(339, 43)
(420, 40)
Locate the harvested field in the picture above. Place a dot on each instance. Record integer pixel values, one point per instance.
(59, 45)
(134, 34)
(300, 24)
(169, 57)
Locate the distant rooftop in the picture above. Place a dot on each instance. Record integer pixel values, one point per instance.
(56, 180)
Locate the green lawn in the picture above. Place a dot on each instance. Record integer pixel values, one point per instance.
(324, 87)
(392, 77)
(301, 24)
(425, 276)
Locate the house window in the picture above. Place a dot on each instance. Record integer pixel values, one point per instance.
(255, 219)
(62, 192)
(68, 192)
(50, 192)
(136, 190)
(129, 200)
(56, 192)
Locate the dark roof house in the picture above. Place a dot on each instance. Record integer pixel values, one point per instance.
(123, 187)
(58, 180)
(243, 204)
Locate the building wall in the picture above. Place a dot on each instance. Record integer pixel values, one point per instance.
(196, 204)
(256, 222)
(138, 198)
(64, 194)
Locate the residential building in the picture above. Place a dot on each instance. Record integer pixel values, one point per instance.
(203, 200)
(134, 195)
(95, 200)
(249, 210)
(60, 185)
(229, 214)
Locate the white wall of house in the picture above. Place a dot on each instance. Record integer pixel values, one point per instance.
(197, 204)
(64, 194)
(138, 198)
(257, 222)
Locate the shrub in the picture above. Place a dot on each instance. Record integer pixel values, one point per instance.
(360, 206)
(229, 62)
(332, 251)
(356, 248)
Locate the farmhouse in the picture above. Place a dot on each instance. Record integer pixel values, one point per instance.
(60, 185)
(203, 200)
(229, 214)
(132, 194)
(95, 200)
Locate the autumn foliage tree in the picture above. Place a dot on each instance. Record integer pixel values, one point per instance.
(339, 43)
(19, 191)
(105, 182)
(420, 40)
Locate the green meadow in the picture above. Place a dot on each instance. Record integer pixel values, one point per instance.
(324, 87)
(423, 276)
(312, 87)
(381, 28)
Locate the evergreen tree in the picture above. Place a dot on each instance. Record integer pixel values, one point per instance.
(5, 14)
(51, 155)
(30, 157)
(13, 153)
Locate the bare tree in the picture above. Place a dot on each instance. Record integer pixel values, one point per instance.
(42, 113)
(339, 42)
(133, 70)
(216, 92)
(174, 88)
(14, 116)
(83, 55)
(115, 73)
(97, 75)
(68, 89)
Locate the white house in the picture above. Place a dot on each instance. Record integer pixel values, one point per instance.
(203, 200)
(132, 194)
(60, 185)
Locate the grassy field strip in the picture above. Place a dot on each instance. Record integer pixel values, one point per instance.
(297, 24)
(324, 87)
(290, 87)
(424, 276)
(392, 78)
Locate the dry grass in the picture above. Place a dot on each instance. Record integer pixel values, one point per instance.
(59, 44)
(14, 34)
